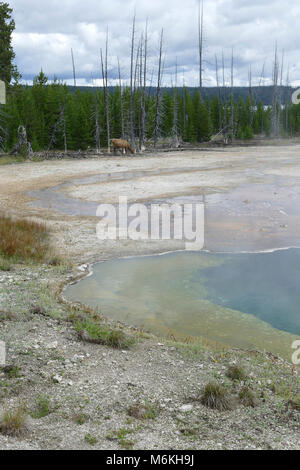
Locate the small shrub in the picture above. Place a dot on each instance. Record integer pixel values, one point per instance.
(90, 439)
(236, 373)
(215, 396)
(80, 418)
(143, 411)
(13, 422)
(43, 407)
(5, 264)
(294, 404)
(247, 397)
(12, 372)
(7, 315)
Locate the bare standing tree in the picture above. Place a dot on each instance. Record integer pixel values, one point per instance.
(95, 116)
(121, 101)
(143, 93)
(158, 91)
(74, 71)
(200, 44)
(274, 118)
(175, 111)
(60, 125)
(106, 92)
(132, 113)
(232, 130)
(250, 95)
(219, 95)
(261, 83)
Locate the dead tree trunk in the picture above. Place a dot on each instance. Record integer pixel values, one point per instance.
(274, 120)
(200, 44)
(219, 95)
(106, 93)
(121, 101)
(143, 90)
(158, 89)
(232, 129)
(132, 113)
(175, 112)
(22, 142)
(59, 125)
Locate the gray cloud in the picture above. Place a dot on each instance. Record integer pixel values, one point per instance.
(46, 32)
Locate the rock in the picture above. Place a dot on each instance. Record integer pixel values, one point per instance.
(57, 379)
(186, 408)
(52, 345)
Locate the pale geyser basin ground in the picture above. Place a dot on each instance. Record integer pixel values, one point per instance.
(251, 204)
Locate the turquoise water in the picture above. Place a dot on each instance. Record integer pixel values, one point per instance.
(245, 300)
(266, 285)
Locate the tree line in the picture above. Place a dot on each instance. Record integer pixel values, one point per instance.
(57, 118)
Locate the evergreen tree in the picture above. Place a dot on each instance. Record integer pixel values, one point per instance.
(8, 70)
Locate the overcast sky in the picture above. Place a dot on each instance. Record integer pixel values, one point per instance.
(46, 32)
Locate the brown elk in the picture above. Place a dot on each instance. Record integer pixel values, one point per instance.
(122, 144)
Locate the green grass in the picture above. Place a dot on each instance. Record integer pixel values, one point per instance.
(5, 264)
(10, 159)
(143, 410)
(93, 331)
(43, 407)
(92, 440)
(13, 372)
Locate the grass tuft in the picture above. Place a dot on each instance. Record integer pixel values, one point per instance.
(215, 396)
(43, 407)
(143, 411)
(247, 397)
(23, 240)
(13, 422)
(236, 373)
(5, 264)
(93, 332)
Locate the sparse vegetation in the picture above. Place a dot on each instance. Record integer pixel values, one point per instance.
(247, 397)
(5, 264)
(121, 436)
(13, 422)
(94, 332)
(92, 440)
(215, 396)
(143, 410)
(23, 240)
(43, 407)
(236, 372)
(12, 372)
(80, 418)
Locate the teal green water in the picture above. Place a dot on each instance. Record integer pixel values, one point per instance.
(243, 300)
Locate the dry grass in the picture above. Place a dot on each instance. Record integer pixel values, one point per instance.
(236, 372)
(215, 396)
(23, 239)
(247, 397)
(13, 422)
